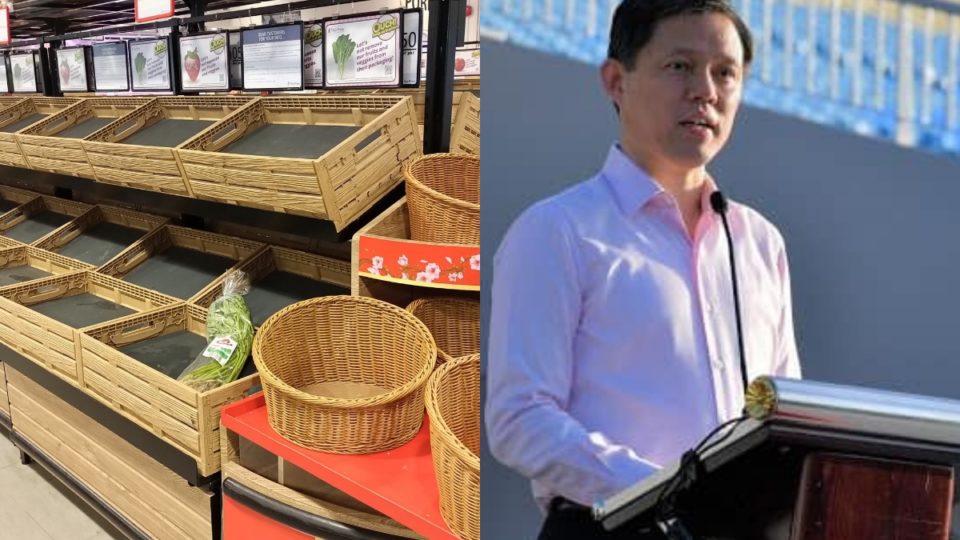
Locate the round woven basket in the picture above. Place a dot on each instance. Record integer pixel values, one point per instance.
(344, 374)
(443, 198)
(453, 403)
(454, 323)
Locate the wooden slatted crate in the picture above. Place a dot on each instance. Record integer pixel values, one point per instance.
(276, 260)
(6, 101)
(156, 168)
(419, 95)
(10, 199)
(52, 343)
(171, 236)
(465, 137)
(338, 185)
(4, 400)
(187, 419)
(99, 215)
(11, 118)
(39, 205)
(47, 149)
(16, 260)
(147, 494)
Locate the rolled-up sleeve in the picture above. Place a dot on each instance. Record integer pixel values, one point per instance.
(537, 294)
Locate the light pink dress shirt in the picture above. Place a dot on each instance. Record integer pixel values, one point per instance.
(613, 343)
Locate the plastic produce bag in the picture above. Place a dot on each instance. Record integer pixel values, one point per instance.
(229, 338)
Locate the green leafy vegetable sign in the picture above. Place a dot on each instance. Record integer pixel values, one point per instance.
(363, 51)
(151, 65)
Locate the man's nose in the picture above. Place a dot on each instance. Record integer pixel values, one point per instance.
(701, 87)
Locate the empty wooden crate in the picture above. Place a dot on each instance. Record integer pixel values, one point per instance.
(101, 234)
(328, 157)
(41, 319)
(131, 365)
(31, 222)
(53, 144)
(137, 150)
(280, 277)
(6, 101)
(27, 263)
(461, 87)
(180, 262)
(465, 137)
(4, 401)
(21, 115)
(11, 198)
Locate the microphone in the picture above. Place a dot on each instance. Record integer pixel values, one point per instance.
(719, 204)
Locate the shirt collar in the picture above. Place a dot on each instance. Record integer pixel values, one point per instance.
(633, 188)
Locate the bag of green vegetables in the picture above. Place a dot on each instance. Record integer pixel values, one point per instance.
(229, 338)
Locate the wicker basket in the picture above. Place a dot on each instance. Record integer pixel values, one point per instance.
(351, 342)
(454, 323)
(443, 196)
(453, 404)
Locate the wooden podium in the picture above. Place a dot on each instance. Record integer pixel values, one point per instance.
(845, 464)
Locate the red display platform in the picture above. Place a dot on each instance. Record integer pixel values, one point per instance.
(401, 483)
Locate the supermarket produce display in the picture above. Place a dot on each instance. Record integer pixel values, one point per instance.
(148, 243)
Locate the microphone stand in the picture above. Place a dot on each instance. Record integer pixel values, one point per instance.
(719, 204)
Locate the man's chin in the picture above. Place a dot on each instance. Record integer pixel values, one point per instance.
(693, 158)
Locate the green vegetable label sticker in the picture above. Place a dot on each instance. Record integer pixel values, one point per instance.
(220, 349)
(160, 48)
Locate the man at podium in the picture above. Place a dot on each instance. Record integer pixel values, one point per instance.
(618, 337)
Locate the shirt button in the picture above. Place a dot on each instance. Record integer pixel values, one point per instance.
(709, 308)
(718, 365)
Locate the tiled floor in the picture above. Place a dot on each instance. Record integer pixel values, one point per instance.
(35, 506)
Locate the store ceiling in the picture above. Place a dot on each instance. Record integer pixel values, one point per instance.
(32, 19)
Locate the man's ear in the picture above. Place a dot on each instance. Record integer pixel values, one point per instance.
(612, 75)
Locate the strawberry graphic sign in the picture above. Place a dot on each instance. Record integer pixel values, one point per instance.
(72, 69)
(191, 65)
(204, 62)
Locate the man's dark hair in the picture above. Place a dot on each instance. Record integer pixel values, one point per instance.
(635, 21)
